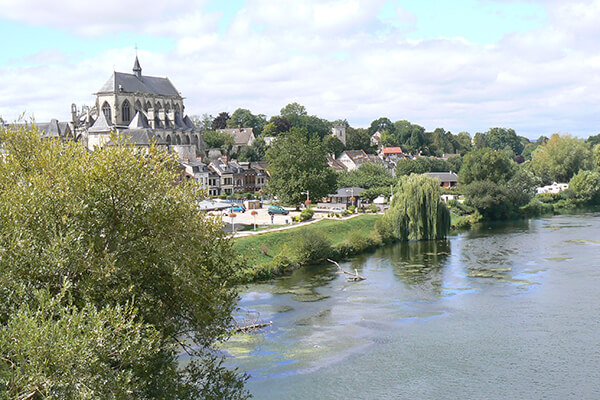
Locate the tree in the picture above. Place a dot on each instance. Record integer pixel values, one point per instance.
(219, 140)
(115, 229)
(380, 125)
(464, 141)
(489, 198)
(245, 119)
(276, 126)
(421, 165)
(366, 176)
(220, 122)
(593, 140)
(293, 110)
(486, 164)
(561, 157)
(503, 139)
(359, 139)
(298, 163)
(255, 152)
(203, 123)
(585, 186)
(333, 145)
(417, 211)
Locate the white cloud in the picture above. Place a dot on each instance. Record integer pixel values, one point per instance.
(332, 57)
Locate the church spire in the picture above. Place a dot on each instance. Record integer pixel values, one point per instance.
(137, 70)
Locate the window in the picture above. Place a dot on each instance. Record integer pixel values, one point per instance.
(125, 111)
(106, 111)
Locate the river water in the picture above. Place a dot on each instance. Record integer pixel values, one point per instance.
(508, 311)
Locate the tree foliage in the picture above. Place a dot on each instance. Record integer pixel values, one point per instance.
(220, 121)
(218, 140)
(585, 186)
(417, 211)
(500, 139)
(297, 163)
(333, 145)
(245, 119)
(366, 176)
(486, 164)
(359, 139)
(114, 227)
(561, 157)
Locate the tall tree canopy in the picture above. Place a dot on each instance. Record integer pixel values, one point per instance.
(486, 164)
(417, 211)
(561, 157)
(500, 139)
(220, 121)
(112, 241)
(359, 139)
(366, 176)
(297, 163)
(245, 119)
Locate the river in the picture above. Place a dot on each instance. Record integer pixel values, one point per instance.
(507, 311)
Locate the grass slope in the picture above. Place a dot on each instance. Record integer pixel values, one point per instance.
(259, 249)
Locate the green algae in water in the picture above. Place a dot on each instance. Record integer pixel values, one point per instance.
(559, 258)
(583, 241)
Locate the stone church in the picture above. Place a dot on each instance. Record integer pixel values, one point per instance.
(144, 109)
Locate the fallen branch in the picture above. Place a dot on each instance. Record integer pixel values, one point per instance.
(354, 277)
(252, 327)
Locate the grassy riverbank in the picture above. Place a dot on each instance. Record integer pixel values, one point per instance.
(275, 253)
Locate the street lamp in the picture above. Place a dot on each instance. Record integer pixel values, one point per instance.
(232, 215)
(307, 193)
(253, 213)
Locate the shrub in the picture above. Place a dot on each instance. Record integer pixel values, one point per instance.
(306, 214)
(352, 209)
(373, 208)
(311, 247)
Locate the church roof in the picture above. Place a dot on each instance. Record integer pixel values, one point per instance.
(189, 122)
(139, 122)
(129, 83)
(101, 124)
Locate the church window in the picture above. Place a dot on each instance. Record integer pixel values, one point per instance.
(125, 111)
(106, 111)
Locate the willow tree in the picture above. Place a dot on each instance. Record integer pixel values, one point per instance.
(417, 211)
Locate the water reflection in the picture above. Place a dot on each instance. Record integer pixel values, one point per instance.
(418, 263)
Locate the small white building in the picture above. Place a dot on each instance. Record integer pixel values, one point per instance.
(554, 188)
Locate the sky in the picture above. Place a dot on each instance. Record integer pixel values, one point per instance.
(462, 65)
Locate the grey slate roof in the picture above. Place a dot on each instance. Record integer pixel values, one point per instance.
(129, 83)
(189, 122)
(101, 124)
(139, 121)
(348, 192)
(241, 136)
(443, 176)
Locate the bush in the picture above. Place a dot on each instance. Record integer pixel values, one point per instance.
(352, 209)
(306, 214)
(535, 207)
(373, 209)
(311, 247)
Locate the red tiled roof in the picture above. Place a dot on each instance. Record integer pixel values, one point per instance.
(392, 150)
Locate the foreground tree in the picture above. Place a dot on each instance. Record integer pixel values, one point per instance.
(114, 229)
(417, 211)
(298, 163)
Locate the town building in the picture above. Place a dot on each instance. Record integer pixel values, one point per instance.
(144, 109)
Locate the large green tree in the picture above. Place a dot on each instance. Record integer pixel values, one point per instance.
(486, 164)
(366, 176)
(417, 211)
(561, 157)
(114, 228)
(244, 118)
(359, 139)
(298, 163)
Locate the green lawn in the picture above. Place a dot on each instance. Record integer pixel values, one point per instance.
(262, 248)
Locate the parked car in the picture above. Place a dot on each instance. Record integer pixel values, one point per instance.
(277, 210)
(235, 209)
(337, 210)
